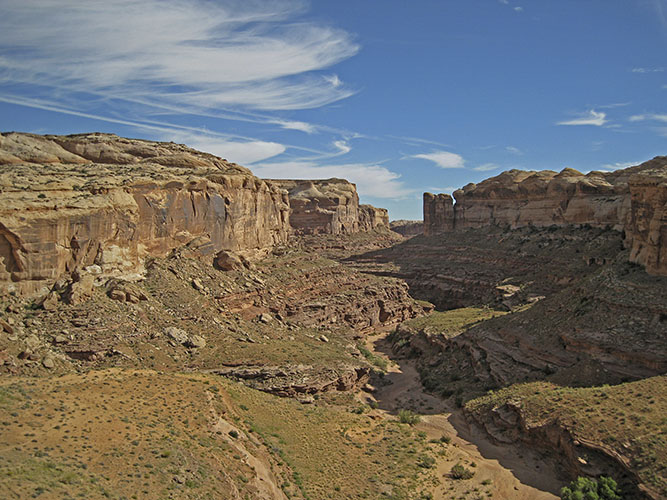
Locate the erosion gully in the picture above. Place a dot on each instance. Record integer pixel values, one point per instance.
(515, 472)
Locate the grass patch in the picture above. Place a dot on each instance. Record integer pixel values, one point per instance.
(372, 358)
(453, 322)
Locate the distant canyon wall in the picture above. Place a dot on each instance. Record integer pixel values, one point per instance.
(407, 228)
(633, 200)
(70, 202)
(329, 206)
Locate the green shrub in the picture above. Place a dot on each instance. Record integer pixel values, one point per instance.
(584, 488)
(460, 472)
(408, 417)
(426, 462)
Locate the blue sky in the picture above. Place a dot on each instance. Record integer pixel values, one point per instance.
(399, 97)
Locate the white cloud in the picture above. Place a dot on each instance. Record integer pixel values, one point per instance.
(619, 165)
(371, 180)
(334, 81)
(443, 159)
(648, 70)
(505, 2)
(342, 146)
(242, 152)
(487, 167)
(308, 128)
(513, 150)
(518, 9)
(197, 53)
(591, 117)
(650, 116)
(449, 189)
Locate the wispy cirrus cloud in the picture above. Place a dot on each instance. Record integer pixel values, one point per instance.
(513, 150)
(590, 117)
(619, 165)
(648, 70)
(197, 53)
(443, 159)
(658, 117)
(487, 167)
(371, 179)
(245, 152)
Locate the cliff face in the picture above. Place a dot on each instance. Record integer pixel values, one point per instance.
(69, 202)
(371, 217)
(329, 206)
(438, 213)
(407, 228)
(646, 225)
(631, 199)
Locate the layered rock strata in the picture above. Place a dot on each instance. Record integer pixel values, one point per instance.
(72, 202)
(371, 217)
(329, 206)
(407, 228)
(322, 206)
(631, 200)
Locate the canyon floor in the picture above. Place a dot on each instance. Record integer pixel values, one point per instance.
(359, 366)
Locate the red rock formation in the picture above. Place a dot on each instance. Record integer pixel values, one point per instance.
(322, 206)
(631, 199)
(646, 225)
(371, 217)
(438, 213)
(73, 201)
(329, 206)
(407, 228)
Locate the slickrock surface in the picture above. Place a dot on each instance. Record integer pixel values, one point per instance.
(633, 200)
(70, 202)
(329, 206)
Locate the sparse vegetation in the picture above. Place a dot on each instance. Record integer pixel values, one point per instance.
(408, 417)
(584, 488)
(458, 471)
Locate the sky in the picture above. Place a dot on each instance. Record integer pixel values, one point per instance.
(398, 97)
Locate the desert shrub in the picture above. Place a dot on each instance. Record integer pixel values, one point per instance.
(408, 417)
(584, 488)
(460, 472)
(426, 462)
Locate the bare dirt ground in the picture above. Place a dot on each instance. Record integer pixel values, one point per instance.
(502, 472)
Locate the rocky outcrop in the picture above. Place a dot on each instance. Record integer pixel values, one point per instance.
(371, 217)
(407, 228)
(438, 213)
(646, 225)
(300, 381)
(631, 199)
(329, 206)
(69, 202)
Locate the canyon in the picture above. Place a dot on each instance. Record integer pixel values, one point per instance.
(631, 200)
(237, 337)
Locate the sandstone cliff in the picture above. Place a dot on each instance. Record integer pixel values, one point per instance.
(329, 206)
(69, 202)
(371, 217)
(407, 228)
(631, 200)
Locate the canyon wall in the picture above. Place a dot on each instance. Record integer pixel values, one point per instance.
(71, 202)
(371, 217)
(407, 228)
(633, 200)
(329, 206)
